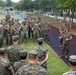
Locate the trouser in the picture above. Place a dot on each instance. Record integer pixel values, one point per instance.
(46, 38)
(25, 37)
(44, 65)
(9, 39)
(65, 48)
(36, 35)
(42, 34)
(29, 32)
(1, 42)
(61, 41)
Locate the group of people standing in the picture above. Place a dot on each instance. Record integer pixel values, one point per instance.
(30, 27)
(17, 65)
(38, 30)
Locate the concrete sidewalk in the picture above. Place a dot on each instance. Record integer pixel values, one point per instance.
(58, 17)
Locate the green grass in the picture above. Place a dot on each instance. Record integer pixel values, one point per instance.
(48, 19)
(2, 17)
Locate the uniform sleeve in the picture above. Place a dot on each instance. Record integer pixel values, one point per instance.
(42, 71)
(19, 71)
(15, 66)
(9, 68)
(7, 50)
(47, 51)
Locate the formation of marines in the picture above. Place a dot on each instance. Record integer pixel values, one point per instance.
(12, 31)
(17, 65)
(36, 28)
(30, 27)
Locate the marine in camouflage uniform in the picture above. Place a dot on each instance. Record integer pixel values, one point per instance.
(32, 24)
(13, 51)
(42, 53)
(16, 28)
(32, 68)
(22, 62)
(72, 64)
(5, 66)
(67, 36)
(36, 31)
(9, 30)
(42, 29)
(7, 16)
(46, 33)
(25, 35)
(1, 35)
(4, 24)
(62, 30)
(29, 22)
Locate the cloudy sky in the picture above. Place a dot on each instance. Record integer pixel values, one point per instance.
(14, 0)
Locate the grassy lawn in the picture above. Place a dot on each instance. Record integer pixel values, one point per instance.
(48, 19)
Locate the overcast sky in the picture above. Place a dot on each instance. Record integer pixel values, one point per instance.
(13, 0)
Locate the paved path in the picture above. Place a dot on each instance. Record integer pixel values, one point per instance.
(54, 33)
(60, 18)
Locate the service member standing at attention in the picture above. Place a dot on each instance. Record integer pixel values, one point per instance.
(72, 65)
(1, 34)
(32, 68)
(25, 35)
(42, 53)
(7, 16)
(67, 36)
(13, 50)
(46, 33)
(5, 66)
(22, 62)
(36, 30)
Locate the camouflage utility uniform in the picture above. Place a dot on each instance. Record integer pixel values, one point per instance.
(36, 33)
(25, 29)
(46, 34)
(71, 72)
(5, 67)
(66, 43)
(42, 51)
(1, 36)
(31, 69)
(18, 64)
(13, 53)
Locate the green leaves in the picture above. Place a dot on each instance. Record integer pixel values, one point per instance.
(66, 4)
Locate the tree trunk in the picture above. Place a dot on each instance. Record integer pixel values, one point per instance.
(72, 17)
(64, 16)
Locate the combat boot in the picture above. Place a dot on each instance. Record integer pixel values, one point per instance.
(61, 56)
(66, 56)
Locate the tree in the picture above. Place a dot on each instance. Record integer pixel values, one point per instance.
(9, 3)
(67, 5)
(2, 3)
